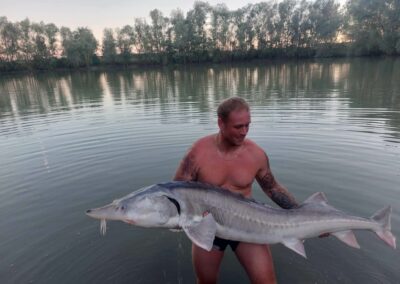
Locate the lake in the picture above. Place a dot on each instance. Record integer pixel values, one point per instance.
(71, 141)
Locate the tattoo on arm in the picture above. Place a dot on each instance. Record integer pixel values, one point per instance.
(275, 191)
(283, 200)
(267, 183)
(188, 169)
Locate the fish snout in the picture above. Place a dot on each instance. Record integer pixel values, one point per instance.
(90, 213)
(95, 213)
(109, 212)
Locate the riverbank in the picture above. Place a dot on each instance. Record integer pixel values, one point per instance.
(338, 50)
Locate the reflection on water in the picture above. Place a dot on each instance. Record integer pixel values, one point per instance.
(368, 82)
(73, 141)
(363, 83)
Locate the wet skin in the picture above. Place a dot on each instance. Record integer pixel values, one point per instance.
(229, 160)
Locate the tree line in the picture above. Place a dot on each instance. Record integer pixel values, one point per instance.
(273, 29)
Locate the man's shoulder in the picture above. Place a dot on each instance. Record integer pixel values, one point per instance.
(254, 147)
(204, 141)
(255, 151)
(202, 144)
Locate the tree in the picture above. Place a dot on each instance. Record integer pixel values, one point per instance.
(3, 22)
(9, 35)
(158, 30)
(326, 20)
(51, 32)
(299, 26)
(79, 46)
(143, 36)
(41, 52)
(109, 46)
(220, 23)
(86, 44)
(179, 31)
(196, 21)
(26, 41)
(374, 26)
(285, 10)
(125, 41)
(243, 20)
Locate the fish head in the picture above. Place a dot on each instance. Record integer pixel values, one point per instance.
(152, 210)
(144, 209)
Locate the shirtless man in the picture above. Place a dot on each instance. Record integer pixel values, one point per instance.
(229, 160)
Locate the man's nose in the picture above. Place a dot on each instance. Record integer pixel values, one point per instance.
(244, 130)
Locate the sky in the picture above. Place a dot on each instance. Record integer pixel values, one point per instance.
(97, 14)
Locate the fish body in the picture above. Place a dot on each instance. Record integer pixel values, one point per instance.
(205, 211)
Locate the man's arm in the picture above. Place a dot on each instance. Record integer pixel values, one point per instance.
(187, 170)
(277, 192)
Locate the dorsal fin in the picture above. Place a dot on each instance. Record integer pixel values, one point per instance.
(318, 197)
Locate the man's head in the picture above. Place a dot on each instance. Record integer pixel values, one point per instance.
(229, 105)
(234, 120)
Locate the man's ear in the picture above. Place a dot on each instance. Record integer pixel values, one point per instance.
(220, 123)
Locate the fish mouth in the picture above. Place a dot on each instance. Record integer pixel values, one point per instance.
(131, 222)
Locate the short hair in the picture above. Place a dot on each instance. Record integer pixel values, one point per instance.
(229, 105)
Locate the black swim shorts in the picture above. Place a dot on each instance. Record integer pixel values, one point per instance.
(221, 244)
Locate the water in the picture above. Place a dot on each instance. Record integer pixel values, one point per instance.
(73, 141)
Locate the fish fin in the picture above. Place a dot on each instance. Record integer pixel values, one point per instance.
(318, 197)
(296, 245)
(387, 237)
(383, 218)
(202, 233)
(348, 238)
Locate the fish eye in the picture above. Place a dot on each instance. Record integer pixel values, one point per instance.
(122, 207)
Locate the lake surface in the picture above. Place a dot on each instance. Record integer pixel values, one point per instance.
(74, 141)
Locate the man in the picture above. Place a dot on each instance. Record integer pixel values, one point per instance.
(229, 160)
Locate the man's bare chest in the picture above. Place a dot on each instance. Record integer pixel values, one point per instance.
(235, 174)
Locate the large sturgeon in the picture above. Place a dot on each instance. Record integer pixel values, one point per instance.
(204, 211)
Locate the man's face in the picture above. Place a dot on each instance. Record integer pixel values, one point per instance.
(235, 128)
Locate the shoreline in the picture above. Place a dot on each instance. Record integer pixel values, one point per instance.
(172, 65)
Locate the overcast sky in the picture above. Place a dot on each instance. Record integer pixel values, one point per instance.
(96, 14)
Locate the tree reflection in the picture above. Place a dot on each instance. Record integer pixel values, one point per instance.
(195, 91)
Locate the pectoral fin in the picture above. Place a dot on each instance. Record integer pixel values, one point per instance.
(348, 238)
(296, 245)
(202, 233)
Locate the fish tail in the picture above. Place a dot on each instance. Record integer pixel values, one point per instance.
(382, 217)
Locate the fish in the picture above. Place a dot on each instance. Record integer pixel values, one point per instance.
(205, 211)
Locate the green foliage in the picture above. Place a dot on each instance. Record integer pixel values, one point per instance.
(9, 36)
(374, 26)
(109, 47)
(158, 31)
(124, 43)
(79, 46)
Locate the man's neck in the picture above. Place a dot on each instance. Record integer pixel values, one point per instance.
(224, 146)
